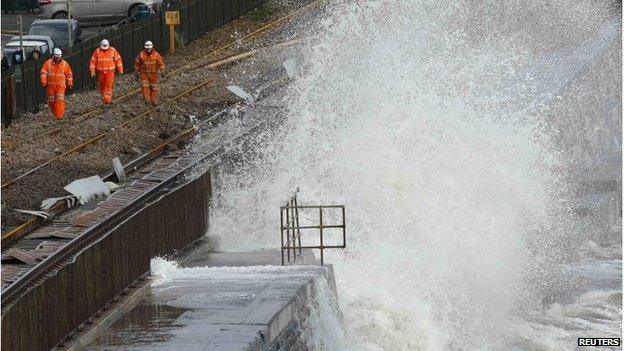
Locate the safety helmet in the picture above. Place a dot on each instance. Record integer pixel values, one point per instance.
(104, 44)
(57, 52)
(148, 45)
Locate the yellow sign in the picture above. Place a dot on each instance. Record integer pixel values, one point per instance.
(172, 18)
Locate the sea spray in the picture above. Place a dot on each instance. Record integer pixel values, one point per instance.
(429, 125)
(162, 270)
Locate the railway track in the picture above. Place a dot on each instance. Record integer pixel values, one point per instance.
(60, 207)
(94, 139)
(9, 238)
(39, 253)
(32, 223)
(185, 68)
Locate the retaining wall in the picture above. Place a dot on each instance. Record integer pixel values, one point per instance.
(82, 286)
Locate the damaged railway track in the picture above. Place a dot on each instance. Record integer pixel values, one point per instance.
(212, 65)
(30, 256)
(12, 237)
(30, 224)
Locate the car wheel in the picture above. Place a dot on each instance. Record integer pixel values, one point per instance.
(133, 12)
(60, 15)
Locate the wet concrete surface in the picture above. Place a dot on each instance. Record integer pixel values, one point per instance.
(215, 301)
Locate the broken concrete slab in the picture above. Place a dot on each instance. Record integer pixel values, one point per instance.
(86, 189)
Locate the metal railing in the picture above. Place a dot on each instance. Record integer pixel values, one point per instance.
(291, 229)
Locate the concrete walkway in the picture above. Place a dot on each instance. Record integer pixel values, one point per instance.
(219, 301)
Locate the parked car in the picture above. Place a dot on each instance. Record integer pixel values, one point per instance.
(13, 52)
(57, 30)
(43, 38)
(18, 5)
(100, 11)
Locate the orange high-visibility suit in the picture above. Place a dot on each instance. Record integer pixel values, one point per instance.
(147, 65)
(55, 77)
(104, 63)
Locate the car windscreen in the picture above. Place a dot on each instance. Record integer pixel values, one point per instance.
(14, 55)
(57, 33)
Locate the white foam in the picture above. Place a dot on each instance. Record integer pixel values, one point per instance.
(424, 120)
(163, 270)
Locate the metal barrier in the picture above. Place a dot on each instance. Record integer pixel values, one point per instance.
(20, 85)
(290, 229)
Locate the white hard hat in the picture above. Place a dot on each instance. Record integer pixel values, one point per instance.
(104, 44)
(57, 52)
(148, 45)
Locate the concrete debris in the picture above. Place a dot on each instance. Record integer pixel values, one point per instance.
(48, 203)
(119, 170)
(86, 189)
(290, 67)
(112, 186)
(238, 91)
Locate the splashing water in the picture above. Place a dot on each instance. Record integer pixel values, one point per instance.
(429, 121)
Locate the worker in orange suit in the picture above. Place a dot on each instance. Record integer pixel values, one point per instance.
(56, 75)
(104, 61)
(147, 65)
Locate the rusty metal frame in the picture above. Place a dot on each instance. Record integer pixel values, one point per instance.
(291, 230)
